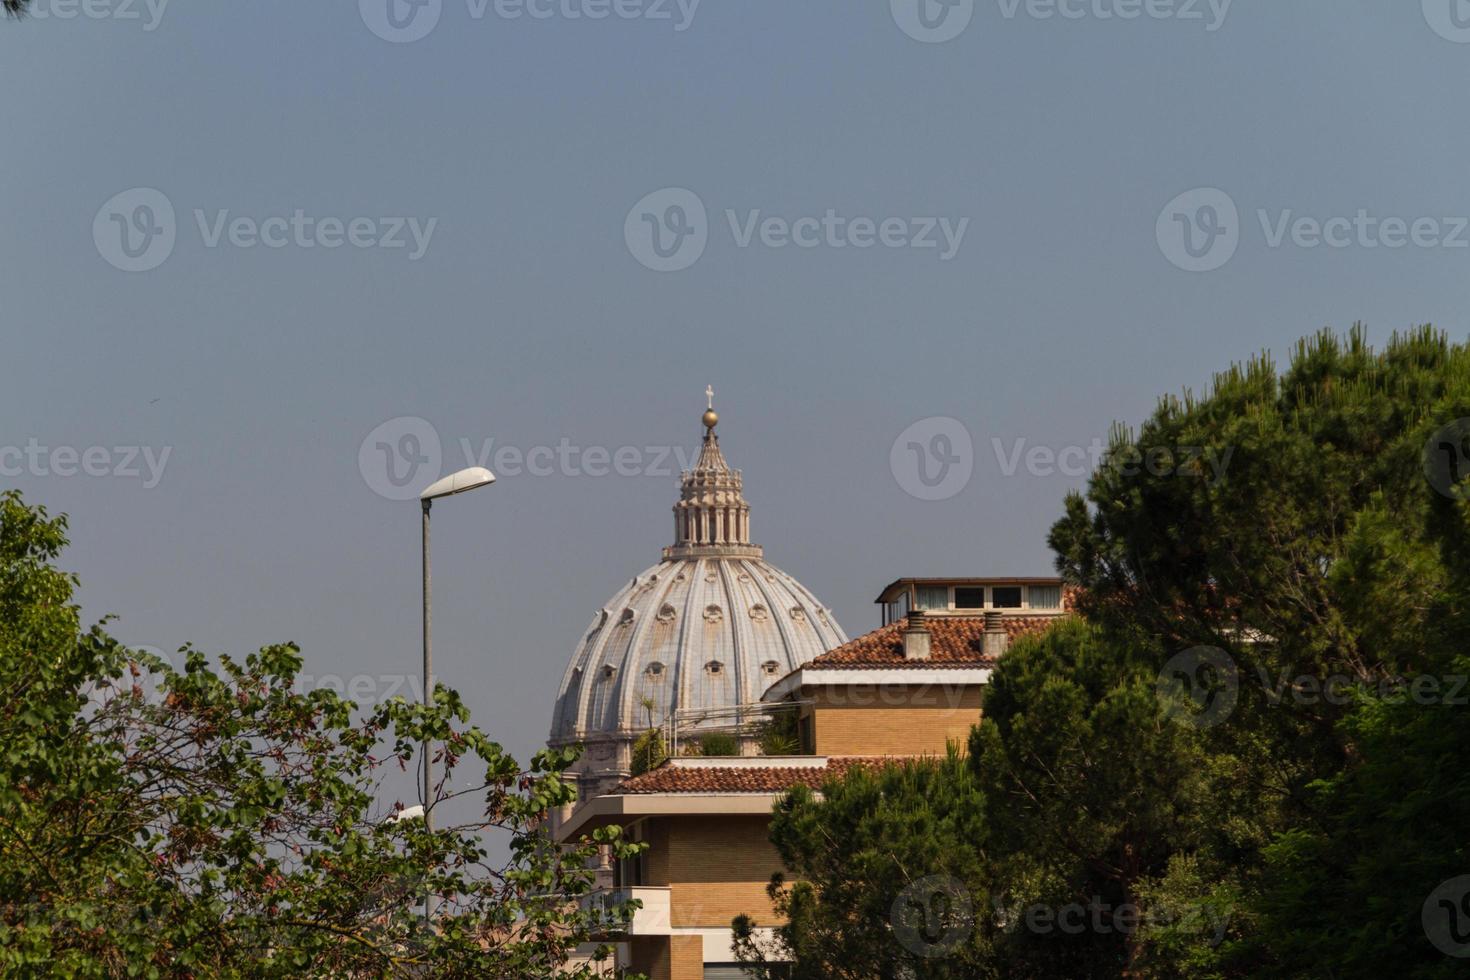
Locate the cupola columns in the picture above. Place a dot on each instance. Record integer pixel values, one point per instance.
(711, 517)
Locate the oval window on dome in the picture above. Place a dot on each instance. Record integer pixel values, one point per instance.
(607, 670)
(666, 613)
(655, 669)
(713, 613)
(759, 613)
(627, 617)
(715, 667)
(770, 666)
(798, 613)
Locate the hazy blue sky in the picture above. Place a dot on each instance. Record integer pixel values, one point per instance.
(529, 318)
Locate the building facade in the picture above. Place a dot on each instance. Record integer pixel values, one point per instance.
(912, 688)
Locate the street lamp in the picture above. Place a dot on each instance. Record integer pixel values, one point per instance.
(465, 480)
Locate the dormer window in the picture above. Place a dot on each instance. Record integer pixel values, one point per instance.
(931, 597)
(770, 666)
(714, 667)
(1044, 596)
(1005, 597)
(969, 598)
(655, 669)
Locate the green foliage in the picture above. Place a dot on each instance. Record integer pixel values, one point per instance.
(649, 751)
(717, 744)
(235, 828)
(1092, 789)
(868, 843)
(780, 734)
(1289, 521)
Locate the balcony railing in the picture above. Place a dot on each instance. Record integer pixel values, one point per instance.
(652, 919)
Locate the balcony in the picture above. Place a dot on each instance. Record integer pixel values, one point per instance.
(650, 920)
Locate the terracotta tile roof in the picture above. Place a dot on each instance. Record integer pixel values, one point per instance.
(956, 641)
(742, 778)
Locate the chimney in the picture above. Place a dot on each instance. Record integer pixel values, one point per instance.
(916, 637)
(997, 641)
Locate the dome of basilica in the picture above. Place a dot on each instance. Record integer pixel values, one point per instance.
(704, 631)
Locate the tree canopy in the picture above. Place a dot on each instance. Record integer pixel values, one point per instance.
(232, 826)
(1244, 759)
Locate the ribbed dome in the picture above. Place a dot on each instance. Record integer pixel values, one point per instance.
(709, 627)
(694, 634)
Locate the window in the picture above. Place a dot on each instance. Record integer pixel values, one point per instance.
(1045, 596)
(1006, 597)
(969, 598)
(897, 609)
(714, 667)
(933, 597)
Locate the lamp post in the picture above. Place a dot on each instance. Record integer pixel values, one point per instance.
(467, 479)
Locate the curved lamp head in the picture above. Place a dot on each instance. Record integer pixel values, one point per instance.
(470, 479)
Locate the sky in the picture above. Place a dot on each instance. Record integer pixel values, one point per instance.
(253, 254)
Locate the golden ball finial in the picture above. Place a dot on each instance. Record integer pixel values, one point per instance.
(711, 419)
